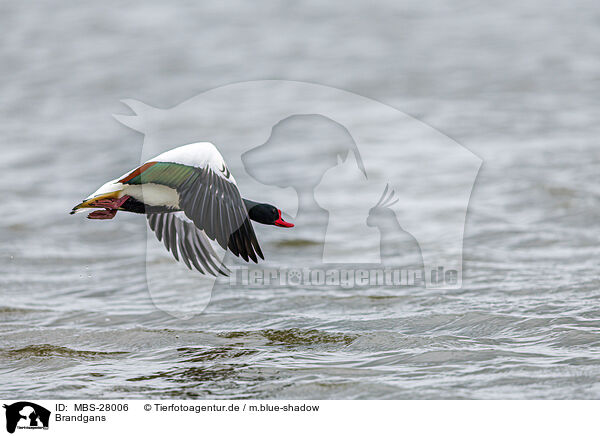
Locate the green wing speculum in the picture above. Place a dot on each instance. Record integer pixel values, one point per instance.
(168, 174)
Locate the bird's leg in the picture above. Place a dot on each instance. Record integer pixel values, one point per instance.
(105, 214)
(111, 206)
(110, 203)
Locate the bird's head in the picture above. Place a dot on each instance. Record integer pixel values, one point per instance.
(267, 214)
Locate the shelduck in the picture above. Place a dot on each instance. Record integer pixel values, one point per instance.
(189, 196)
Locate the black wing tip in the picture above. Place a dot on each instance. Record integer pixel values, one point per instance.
(256, 247)
(241, 246)
(225, 271)
(244, 256)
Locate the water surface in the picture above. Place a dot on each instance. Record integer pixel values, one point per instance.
(517, 84)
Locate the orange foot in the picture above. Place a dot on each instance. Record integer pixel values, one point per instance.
(110, 203)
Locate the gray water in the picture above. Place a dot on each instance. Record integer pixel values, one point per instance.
(517, 84)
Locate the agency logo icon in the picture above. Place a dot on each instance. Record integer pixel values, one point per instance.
(26, 415)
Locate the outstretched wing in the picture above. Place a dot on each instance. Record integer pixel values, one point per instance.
(207, 193)
(215, 205)
(184, 240)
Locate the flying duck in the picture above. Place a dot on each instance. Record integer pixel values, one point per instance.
(189, 196)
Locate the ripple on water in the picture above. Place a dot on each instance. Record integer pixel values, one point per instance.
(46, 350)
(296, 336)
